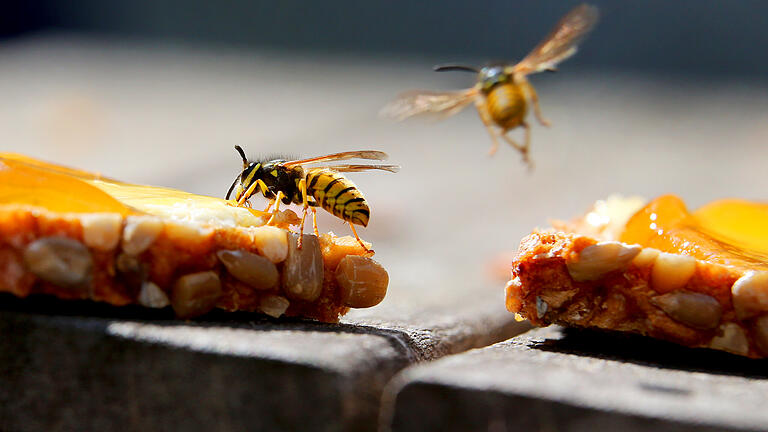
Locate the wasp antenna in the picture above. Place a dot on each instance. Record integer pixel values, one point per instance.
(454, 67)
(242, 155)
(231, 188)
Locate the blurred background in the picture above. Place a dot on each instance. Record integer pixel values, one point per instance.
(663, 97)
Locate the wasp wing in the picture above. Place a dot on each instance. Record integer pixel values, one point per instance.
(561, 43)
(360, 154)
(359, 168)
(419, 102)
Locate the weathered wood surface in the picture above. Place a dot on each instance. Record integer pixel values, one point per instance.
(550, 379)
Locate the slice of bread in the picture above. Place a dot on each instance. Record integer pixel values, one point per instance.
(77, 235)
(578, 275)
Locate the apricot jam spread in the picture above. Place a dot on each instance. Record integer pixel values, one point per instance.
(27, 181)
(730, 232)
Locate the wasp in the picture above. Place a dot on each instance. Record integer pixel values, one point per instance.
(502, 93)
(290, 182)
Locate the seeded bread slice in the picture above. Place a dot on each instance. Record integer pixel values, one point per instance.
(155, 263)
(567, 278)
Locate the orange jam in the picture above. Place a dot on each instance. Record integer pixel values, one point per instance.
(30, 182)
(730, 232)
(26, 181)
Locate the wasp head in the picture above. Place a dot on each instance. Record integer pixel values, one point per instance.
(492, 75)
(252, 171)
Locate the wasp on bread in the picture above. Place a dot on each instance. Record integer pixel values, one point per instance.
(292, 182)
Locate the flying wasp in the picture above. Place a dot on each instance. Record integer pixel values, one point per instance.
(289, 182)
(502, 92)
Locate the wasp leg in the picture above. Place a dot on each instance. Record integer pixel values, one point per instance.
(244, 197)
(527, 138)
(534, 98)
(269, 206)
(258, 183)
(358, 238)
(277, 207)
(236, 204)
(314, 221)
(485, 116)
(301, 228)
(523, 149)
(304, 207)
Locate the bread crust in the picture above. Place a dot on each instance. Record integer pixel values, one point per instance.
(177, 249)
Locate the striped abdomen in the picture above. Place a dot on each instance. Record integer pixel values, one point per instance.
(507, 105)
(337, 195)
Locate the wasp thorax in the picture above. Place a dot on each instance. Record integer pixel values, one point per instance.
(491, 76)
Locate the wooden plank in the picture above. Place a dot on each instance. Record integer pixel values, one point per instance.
(549, 379)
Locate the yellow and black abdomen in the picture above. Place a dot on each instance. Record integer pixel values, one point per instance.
(337, 195)
(507, 105)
